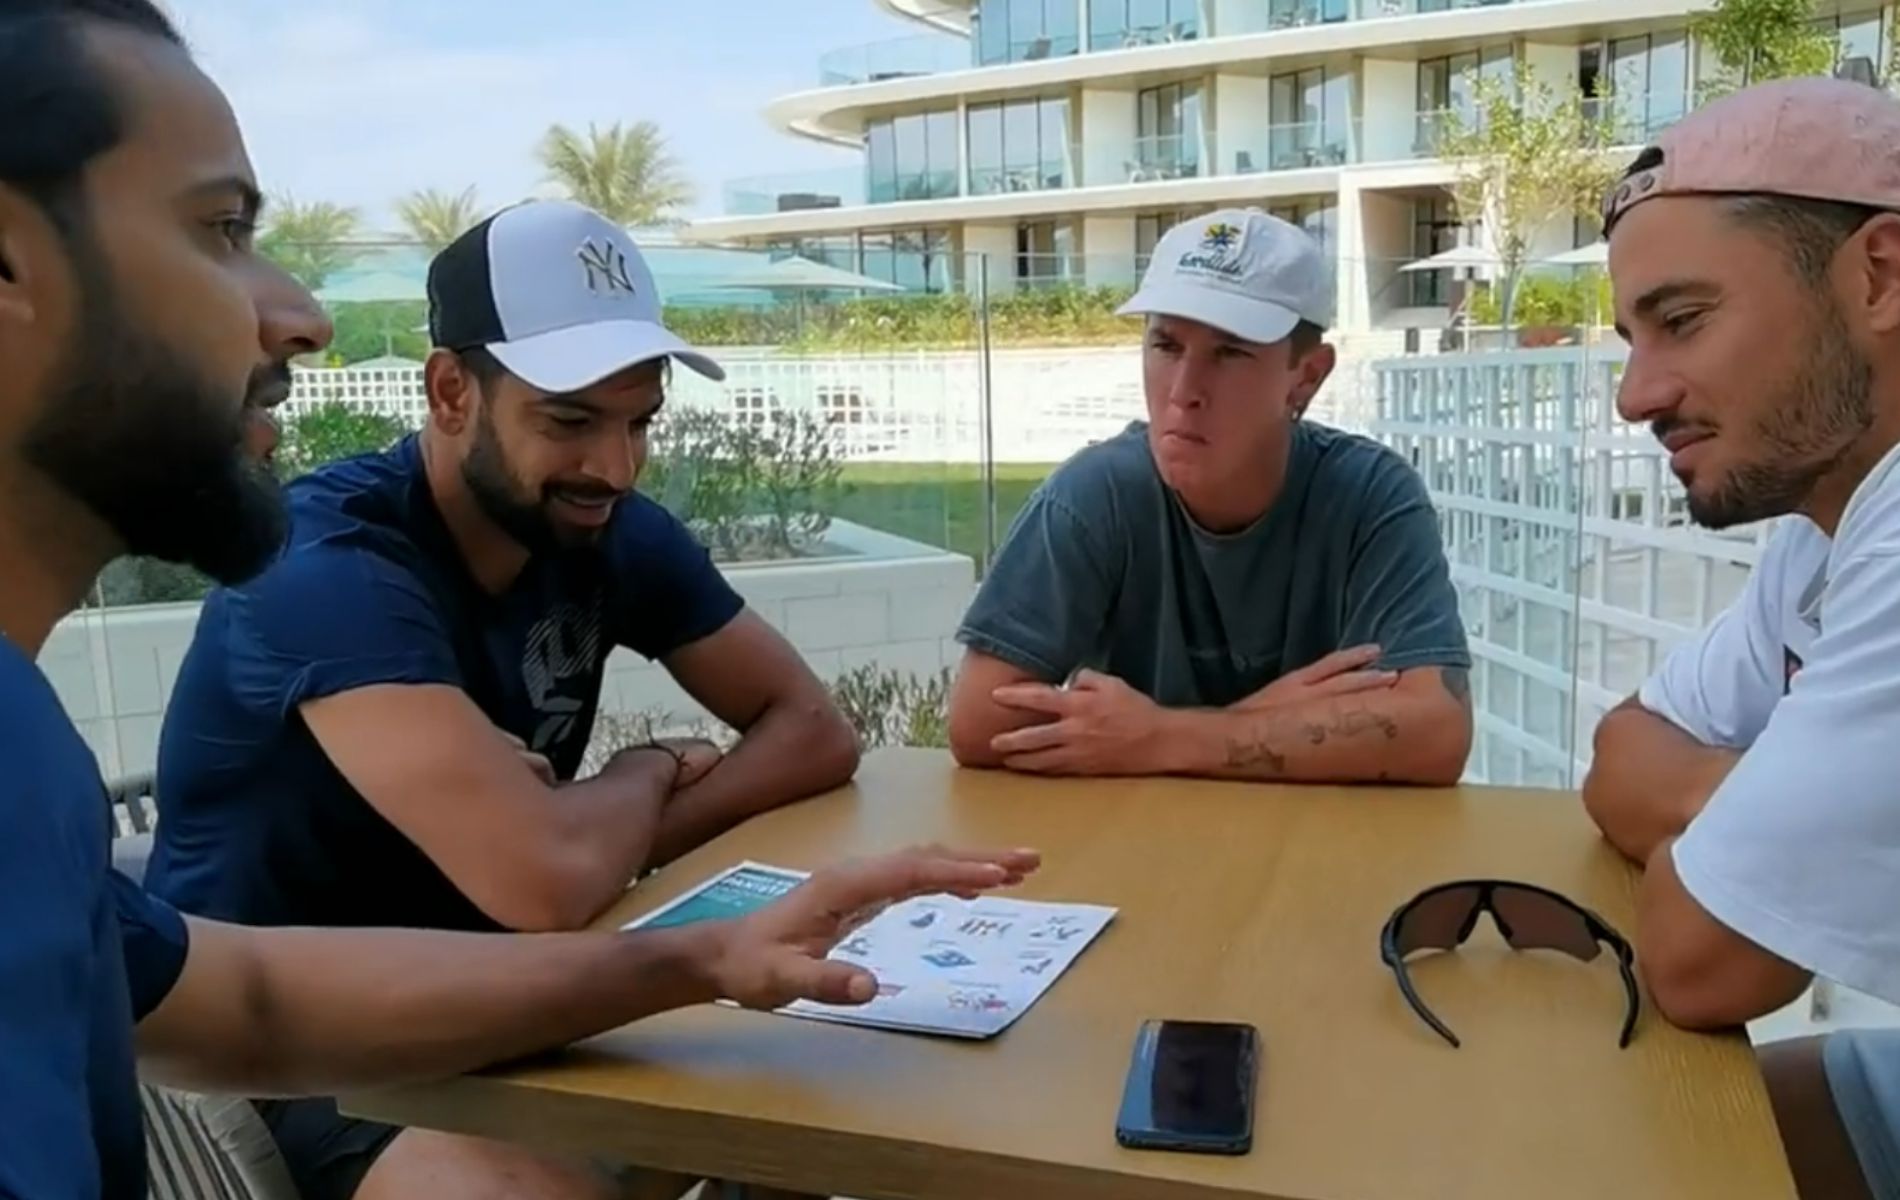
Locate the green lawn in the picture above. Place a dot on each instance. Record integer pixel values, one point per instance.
(937, 503)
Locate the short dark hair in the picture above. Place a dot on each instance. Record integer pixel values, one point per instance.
(1809, 230)
(58, 109)
(1304, 339)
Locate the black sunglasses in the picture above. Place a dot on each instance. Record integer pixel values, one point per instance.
(1529, 917)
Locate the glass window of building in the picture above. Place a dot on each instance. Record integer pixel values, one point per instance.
(1020, 146)
(1860, 35)
(1151, 226)
(1045, 252)
(1117, 24)
(1435, 229)
(912, 157)
(1024, 30)
(1648, 81)
(919, 259)
(1316, 217)
(1311, 115)
(1450, 85)
(1168, 131)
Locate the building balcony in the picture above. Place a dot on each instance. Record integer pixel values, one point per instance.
(893, 58)
(795, 191)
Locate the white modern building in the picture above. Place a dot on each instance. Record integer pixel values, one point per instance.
(1056, 139)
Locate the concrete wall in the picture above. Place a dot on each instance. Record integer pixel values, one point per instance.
(114, 671)
(1388, 106)
(1243, 121)
(1109, 244)
(1108, 136)
(1555, 65)
(996, 242)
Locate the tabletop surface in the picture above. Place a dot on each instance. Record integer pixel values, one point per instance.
(1238, 902)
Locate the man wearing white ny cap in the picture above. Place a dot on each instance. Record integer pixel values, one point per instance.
(1227, 589)
(382, 729)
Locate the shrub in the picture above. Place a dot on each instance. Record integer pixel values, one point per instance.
(750, 490)
(886, 707)
(1056, 314)
(330, 432)
(1570, 300)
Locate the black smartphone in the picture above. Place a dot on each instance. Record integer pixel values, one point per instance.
(1191, 1087)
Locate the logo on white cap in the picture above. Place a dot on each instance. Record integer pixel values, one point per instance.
(606, 266)
(1219, 251)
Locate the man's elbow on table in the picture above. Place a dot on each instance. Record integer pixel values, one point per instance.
(975, 718)
(1700, 973)
(1433, 733)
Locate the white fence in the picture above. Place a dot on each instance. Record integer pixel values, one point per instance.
(1574, 559)
(1042, 405)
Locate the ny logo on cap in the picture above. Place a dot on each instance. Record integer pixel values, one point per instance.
(606, 267)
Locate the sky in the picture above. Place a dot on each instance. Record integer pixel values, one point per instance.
(362, 101)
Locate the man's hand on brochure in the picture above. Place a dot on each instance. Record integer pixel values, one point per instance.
(771, 957)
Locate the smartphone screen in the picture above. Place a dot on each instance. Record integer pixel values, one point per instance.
(1191, 1087)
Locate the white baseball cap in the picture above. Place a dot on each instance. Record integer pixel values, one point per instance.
(1241, 271)
(559, 295)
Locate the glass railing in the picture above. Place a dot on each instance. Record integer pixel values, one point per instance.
(795, 191)
(915, 185)
(1297, 146)
(1035, 49)
(1160, 33)
(1164, 156)
(1048, 175)
(897, 58)
(1636, 119)
(856, 430)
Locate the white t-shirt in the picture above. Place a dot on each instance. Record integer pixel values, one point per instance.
(1799, 849)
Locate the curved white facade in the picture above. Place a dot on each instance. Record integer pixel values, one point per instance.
(1056, 138)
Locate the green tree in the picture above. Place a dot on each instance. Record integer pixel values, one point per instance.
(311, 241)
(375, 328)
(1759, 40)
(625, 173)
(329, 432)
(436, 218)
(1524, 158)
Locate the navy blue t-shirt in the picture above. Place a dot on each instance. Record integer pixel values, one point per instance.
(83, 955)
(256, 825)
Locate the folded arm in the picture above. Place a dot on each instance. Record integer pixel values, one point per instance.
(795, 743)
(1649, 778)
(533, 857)
(1416, 731)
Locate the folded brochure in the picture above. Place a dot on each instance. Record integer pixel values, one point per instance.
(964, 968)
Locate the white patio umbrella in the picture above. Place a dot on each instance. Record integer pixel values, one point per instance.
(1456, 258)
(1596, 254)
(799, 276)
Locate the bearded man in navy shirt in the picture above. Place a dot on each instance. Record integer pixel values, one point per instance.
(142, 340)
(383, 728)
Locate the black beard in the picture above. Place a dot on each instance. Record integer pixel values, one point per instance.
(154, 448)
(1808, 431)
(502, 499)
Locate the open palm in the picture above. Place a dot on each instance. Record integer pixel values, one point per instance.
(777, 955)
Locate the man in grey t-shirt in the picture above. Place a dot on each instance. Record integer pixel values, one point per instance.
(1225, 589)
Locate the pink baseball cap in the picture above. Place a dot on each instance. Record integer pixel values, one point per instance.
(1814, 138)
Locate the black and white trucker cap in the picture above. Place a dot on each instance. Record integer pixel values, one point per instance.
(557, 293)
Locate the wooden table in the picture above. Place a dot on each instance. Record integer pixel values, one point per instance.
(1250, 903)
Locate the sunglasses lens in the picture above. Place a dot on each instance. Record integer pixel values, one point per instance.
(1540, 922)
(1435, 922)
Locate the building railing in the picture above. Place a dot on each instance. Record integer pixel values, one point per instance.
(894, 58)
(796, 191)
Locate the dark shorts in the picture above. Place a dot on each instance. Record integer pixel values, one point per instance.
(1863, 1073)
(327, 1153)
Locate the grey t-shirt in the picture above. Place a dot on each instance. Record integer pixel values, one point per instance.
(1105, 569)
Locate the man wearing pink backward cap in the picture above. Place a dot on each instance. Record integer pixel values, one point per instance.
(1755, 252)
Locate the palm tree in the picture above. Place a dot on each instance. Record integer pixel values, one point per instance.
(436, 218)
(311, 241)
(625, 174)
